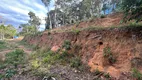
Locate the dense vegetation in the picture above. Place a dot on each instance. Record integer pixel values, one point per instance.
(7, 31)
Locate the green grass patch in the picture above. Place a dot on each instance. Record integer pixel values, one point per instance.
(136, 74)
(2, 45)
(13, 59)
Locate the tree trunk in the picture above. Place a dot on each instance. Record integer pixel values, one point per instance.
(55, 14)
(49, 19)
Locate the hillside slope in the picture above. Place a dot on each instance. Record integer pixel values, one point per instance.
(112, 50)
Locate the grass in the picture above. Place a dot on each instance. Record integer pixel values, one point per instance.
(136, 74)
(2, 45)
(76, 31)
(13, 59)
(48, 57)
(28, 46)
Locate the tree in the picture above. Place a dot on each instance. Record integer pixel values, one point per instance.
(47, 4)
(132, 9)
(72, 11)
(27, 29)
(34, 20)
(7, 30)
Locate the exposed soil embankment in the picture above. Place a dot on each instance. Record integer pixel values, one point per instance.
(115, 50)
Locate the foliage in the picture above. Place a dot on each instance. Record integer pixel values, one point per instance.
(108, 54)
(75, 62)
(27, 29)
(10, 73)
(72, 11)
(76, 31)
(136, 74)
(16, 57)
(2, 45)
(13, 59)
(34, 20)
(67, 45)
(1, 76)
(97, 72)
(7, 31)
(106, 75)
(132, 9)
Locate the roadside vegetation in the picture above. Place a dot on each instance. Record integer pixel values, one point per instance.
(9, 67)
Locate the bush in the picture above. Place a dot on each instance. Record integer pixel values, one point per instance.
(10, 73)
(75, 62)
(106, 75)
(16, 57)
(108, 54)
(3, 45)
(67, 45)
(136, 74)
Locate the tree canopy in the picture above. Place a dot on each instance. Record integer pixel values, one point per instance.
(132, 9)
(72, 11)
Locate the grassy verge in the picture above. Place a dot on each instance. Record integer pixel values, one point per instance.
(9, 66)
(2, 45)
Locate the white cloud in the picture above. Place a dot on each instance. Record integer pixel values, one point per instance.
(20, 8)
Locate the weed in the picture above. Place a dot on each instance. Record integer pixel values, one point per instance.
(1, 76)
(67, 45)
(106, 75)
(16, 57)
(35, 64)
(136, 74)
(97, 72)
(108, 54)
(76, 31)
(75, 62)
(35, 47)
(2, 45)
(107, 51)
(10, 73)
(50, 57)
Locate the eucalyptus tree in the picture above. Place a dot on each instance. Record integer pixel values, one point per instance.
(132, 9)
(34, 20)
(47, 4)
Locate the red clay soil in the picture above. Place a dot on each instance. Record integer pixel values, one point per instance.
(125, 44)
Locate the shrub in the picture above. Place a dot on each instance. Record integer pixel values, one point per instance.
(67, 45)
(35, 64)
(75, 62)
(16, 57)
(106, 75)
(10, 73)
(3, 45)
(136, 74)
(2, 42)
(108, 54)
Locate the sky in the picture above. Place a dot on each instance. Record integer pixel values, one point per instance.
(15, 12)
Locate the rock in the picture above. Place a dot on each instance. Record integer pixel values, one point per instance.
(55, 48)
